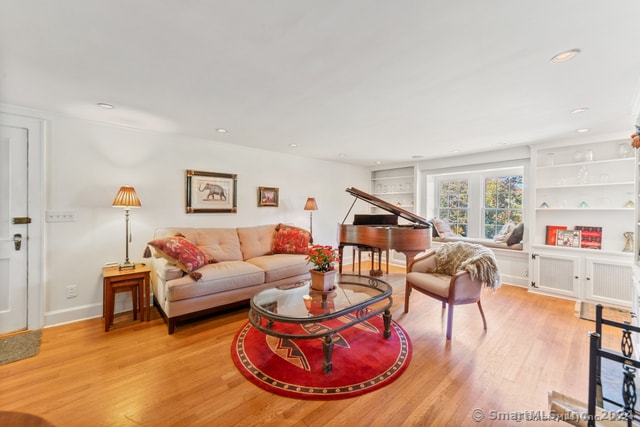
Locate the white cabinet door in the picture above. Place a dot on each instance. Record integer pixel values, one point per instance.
(555, 274)
(608, 281)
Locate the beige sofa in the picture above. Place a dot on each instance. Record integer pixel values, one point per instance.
(242, 262)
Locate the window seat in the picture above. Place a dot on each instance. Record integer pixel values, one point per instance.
(484, 242)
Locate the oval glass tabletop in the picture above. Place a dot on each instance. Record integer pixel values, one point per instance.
(297, 301)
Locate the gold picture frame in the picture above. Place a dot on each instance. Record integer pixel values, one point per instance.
(211, 192)
(268, 196)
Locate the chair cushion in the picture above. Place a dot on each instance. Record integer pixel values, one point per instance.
(435, 283)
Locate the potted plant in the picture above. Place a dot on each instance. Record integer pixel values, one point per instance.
(323, 273)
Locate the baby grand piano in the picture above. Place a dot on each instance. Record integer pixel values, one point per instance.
(382, 231)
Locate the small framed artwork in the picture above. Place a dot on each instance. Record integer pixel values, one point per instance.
(568, 238)
(211, 192)
(267, 196)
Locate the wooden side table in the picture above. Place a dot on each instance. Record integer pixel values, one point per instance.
(134, 279)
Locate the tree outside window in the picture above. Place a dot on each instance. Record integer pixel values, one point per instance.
(453, 206)
(502, 203)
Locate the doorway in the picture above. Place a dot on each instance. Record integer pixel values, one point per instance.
(21, 272)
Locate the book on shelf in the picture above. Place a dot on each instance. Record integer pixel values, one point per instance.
(591, 237)
(551, 237)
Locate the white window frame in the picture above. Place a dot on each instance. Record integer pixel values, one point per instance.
(476, 178)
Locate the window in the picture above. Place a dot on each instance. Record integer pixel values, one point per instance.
(502, 203)
(453, 196)
(477, 203)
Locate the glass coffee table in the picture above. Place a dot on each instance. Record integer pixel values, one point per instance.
(354, 299)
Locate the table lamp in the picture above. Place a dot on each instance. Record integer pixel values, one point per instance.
(311, 206)
(127, 199)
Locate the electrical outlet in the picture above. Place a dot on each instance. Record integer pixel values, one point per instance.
(61, 216)
(72, 291)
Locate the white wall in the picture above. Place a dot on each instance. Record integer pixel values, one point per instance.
(86, 163)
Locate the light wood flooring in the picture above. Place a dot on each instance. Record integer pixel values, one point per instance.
(138, 375)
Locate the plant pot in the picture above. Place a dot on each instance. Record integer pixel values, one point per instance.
(323, 281)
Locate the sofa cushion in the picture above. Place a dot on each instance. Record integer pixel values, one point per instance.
(281, 266)
(220, 244)
(256, 241)
(181, 252)
(291, 240)
(188, 233)
(219, 277)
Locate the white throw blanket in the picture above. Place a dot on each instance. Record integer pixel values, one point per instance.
(478, 260)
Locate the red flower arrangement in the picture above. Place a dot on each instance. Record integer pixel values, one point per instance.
(323, 257)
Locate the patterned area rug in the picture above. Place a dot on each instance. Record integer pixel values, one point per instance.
(19, 346)
(362, 359)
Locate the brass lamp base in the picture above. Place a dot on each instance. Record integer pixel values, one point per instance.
(127, 265)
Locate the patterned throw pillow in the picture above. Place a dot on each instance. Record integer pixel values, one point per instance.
(504, 233)
(181, 252)
(442, 228)
(291, 240)
(516, 235)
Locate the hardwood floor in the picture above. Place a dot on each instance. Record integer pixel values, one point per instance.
(136, 374)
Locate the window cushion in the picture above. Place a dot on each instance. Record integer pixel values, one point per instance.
(516, 235)
(181, 252)
(505, 232)
(291, 240)
(442, 228)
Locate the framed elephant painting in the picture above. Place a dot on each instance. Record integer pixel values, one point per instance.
(211, 192)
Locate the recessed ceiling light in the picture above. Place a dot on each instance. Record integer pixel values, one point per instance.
(105, 105)
(222, 130)
(579, 110)
(565, 56)
(341, 155)
(585, 130)
(378, 162)
(417, 156)
(293, 145)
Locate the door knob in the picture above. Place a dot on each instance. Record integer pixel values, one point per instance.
(17, 241)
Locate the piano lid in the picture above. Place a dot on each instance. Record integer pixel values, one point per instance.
(382, 204)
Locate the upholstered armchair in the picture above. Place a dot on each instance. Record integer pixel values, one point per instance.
(454, 275)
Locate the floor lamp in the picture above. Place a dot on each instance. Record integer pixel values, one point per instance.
(127, 199)
(311, 206)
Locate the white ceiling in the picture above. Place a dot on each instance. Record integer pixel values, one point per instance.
(369, 79)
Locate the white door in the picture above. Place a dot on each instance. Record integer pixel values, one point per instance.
(13, 228)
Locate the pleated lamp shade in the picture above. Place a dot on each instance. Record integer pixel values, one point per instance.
(126, 198)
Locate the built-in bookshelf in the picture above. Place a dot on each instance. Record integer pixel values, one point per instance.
(395, 186)
(588, 192)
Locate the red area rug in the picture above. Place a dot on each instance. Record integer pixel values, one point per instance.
(363, 361)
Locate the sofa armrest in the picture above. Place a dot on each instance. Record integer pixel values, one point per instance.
(165, 270)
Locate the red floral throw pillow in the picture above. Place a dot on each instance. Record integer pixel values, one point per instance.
(180, 252)
(291, 240)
